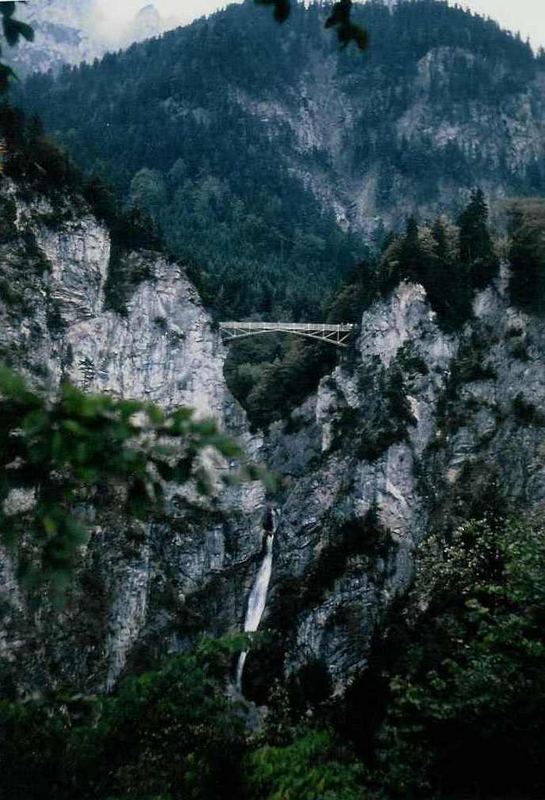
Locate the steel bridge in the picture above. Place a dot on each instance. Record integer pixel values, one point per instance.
(334, 334)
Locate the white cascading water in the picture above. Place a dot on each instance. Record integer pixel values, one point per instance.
(258, 597)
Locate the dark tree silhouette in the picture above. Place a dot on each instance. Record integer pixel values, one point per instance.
(340, 18)
(476, 247)
(527, 256)
(411, 256)
(12, 30)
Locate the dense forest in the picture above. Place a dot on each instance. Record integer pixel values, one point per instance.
(273, 164)
(270, 158)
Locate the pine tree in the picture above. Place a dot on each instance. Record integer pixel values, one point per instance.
(412, 257)
(476, 246)
(445, 280)
(440, 239)
(527, 260)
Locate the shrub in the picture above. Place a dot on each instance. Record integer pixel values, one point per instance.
(527, 413)
(169, 733)
(467, 694)
(314, 767)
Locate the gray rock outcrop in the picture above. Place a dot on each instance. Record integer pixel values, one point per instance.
(415, 430)
(54, 325)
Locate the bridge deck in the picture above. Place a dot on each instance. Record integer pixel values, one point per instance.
(334, 334)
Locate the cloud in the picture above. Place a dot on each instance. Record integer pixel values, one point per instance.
(110, 22)
(109, 18)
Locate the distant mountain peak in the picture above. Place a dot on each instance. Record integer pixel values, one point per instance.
(146, 23)
(68, 32)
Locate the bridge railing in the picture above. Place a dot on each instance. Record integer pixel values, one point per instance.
(334, 334)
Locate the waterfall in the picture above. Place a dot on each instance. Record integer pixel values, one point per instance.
(258, 595)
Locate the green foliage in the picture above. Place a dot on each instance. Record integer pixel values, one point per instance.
(519, 349)
(527, 413)
(449, 273)
(470, 364)
(356, 295)
(282, 8)
(8, 215)
(314, 767)
(187, 127)
(310, 685)
(12, 29)
(32, 159)
(476, 248)
(255, 239)
(527, 256)
(192, 127)
(411, 257)
(171, 733)
(410, 362)
(272, 375)
(284, 384)
(455, 704)
(467, 691)
(77, 449)
(447, 282)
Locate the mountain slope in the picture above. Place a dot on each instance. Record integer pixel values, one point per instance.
(266, 154)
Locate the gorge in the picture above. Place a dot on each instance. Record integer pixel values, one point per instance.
(342, 596)
(411, 420)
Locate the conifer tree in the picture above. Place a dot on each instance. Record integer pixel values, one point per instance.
(447, 282)
(527, 260)
(440, 239)
(412, 256)
(476, 246)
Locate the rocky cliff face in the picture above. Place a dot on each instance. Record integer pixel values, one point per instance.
(414, 431)
(136, 581)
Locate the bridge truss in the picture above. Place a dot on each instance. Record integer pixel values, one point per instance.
(334, 334)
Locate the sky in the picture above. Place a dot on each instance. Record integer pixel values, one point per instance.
(526, 16)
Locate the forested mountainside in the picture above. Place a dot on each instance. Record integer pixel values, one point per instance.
(420, 453)
(269, 157)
